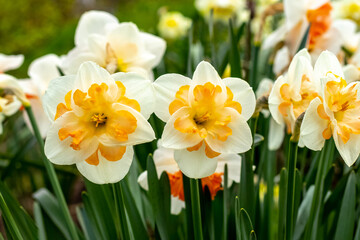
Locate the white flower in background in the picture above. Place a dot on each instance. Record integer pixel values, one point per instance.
(97, 118)
(335, 113)
(352, 70)
(325, 32)
(10, 62)
(205, 117)
(223, 9)
(276, 131)
(41, 72)
(173, 25)
(293, 92)
(165, 162)
(349, 9)
(117, 47)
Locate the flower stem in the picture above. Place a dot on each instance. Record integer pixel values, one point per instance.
(292, 158)
(120, 210)
(52, 176)
(196, 211)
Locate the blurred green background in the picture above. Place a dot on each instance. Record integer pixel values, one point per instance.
(38, 27)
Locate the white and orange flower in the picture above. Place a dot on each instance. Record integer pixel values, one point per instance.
(173, 25)
(117, 47)
(293, 92)
(205, 117)
(97, 118)
(10, 62)
(325, 33)
(41, 72)
(165, 162)
(335, 113)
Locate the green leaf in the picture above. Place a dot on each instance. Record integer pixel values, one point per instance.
(304, 40)
(246, 226)
(303, 213)
(12, 226)
(282, 202)
(346, 221)
(226, 199)
(258, 139)
(90, 212)
(85, 223)
(39, 221)
(235, 64)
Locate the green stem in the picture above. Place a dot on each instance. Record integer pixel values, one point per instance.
(226, 193)
(292, 158)
(120, 209)
(196, 210)
(52, 176)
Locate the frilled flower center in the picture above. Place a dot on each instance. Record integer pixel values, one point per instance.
(206, 113)
(320, 21)
(95, 113)
(212, 182)
(120, 60)
(345, 105)
(307, 93)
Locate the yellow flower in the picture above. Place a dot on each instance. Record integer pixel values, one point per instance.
(173, 25)
(205, 117)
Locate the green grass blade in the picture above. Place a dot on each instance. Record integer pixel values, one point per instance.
(39, 221)
(9, 220)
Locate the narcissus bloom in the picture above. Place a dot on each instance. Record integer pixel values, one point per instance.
(165, 162)
(349, 9)
(97, 118)
(41, 72)
(335, 113)
(10, 62)
(205, 116)
(117, 47)
(173, 25)
(292, 93)
(223, 9)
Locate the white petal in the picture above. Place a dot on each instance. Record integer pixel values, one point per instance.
(43, 70)
(352, 73)
(264, 87)
(60, 152)
(239, 141)
(92, 22)
(275, 100)
(349, 151)
(90, 73)
(243, 94)
(140, 89)
(10, 83)
(312, 127)
(276, 135)
(176, 205)
(294, 12)
(10, 62)
(281, 61)
(55, 94)
(155, 45)
(195, 164)
(107, 171)
(142, 180)
(172, 138)
(275, 37)
(42, 119)
(166, 87)
(233, 162)
(327, 62)
(10, 108)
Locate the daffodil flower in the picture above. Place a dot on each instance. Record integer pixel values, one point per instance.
(10, 62)
(205, 117)
(165, 162)
(41, 72)
(293, 92)
(117, 47)
(352, 70)
(173, 25)
(335, 113)
(97, 118)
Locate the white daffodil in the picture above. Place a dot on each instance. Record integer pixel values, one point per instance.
(173, 25)
(41, 72)
(165, 162)
(325, 33)
(335, 113)
(10, 62)
(205, 117)
(293, 92)
(349, 9)
(97, 118)
(117, 47)
(223, 9)
(276, 131)
(10, 83)
(352, 70)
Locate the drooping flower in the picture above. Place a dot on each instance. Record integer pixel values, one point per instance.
(97, 118)
(293, 92)
(205, 117)
(10, 62)
(173, 25)
(325, 33)
(165, 162)
(117, 47)
(335, 113)
(41, 72)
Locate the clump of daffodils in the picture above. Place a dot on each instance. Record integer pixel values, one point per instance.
(173, 25)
